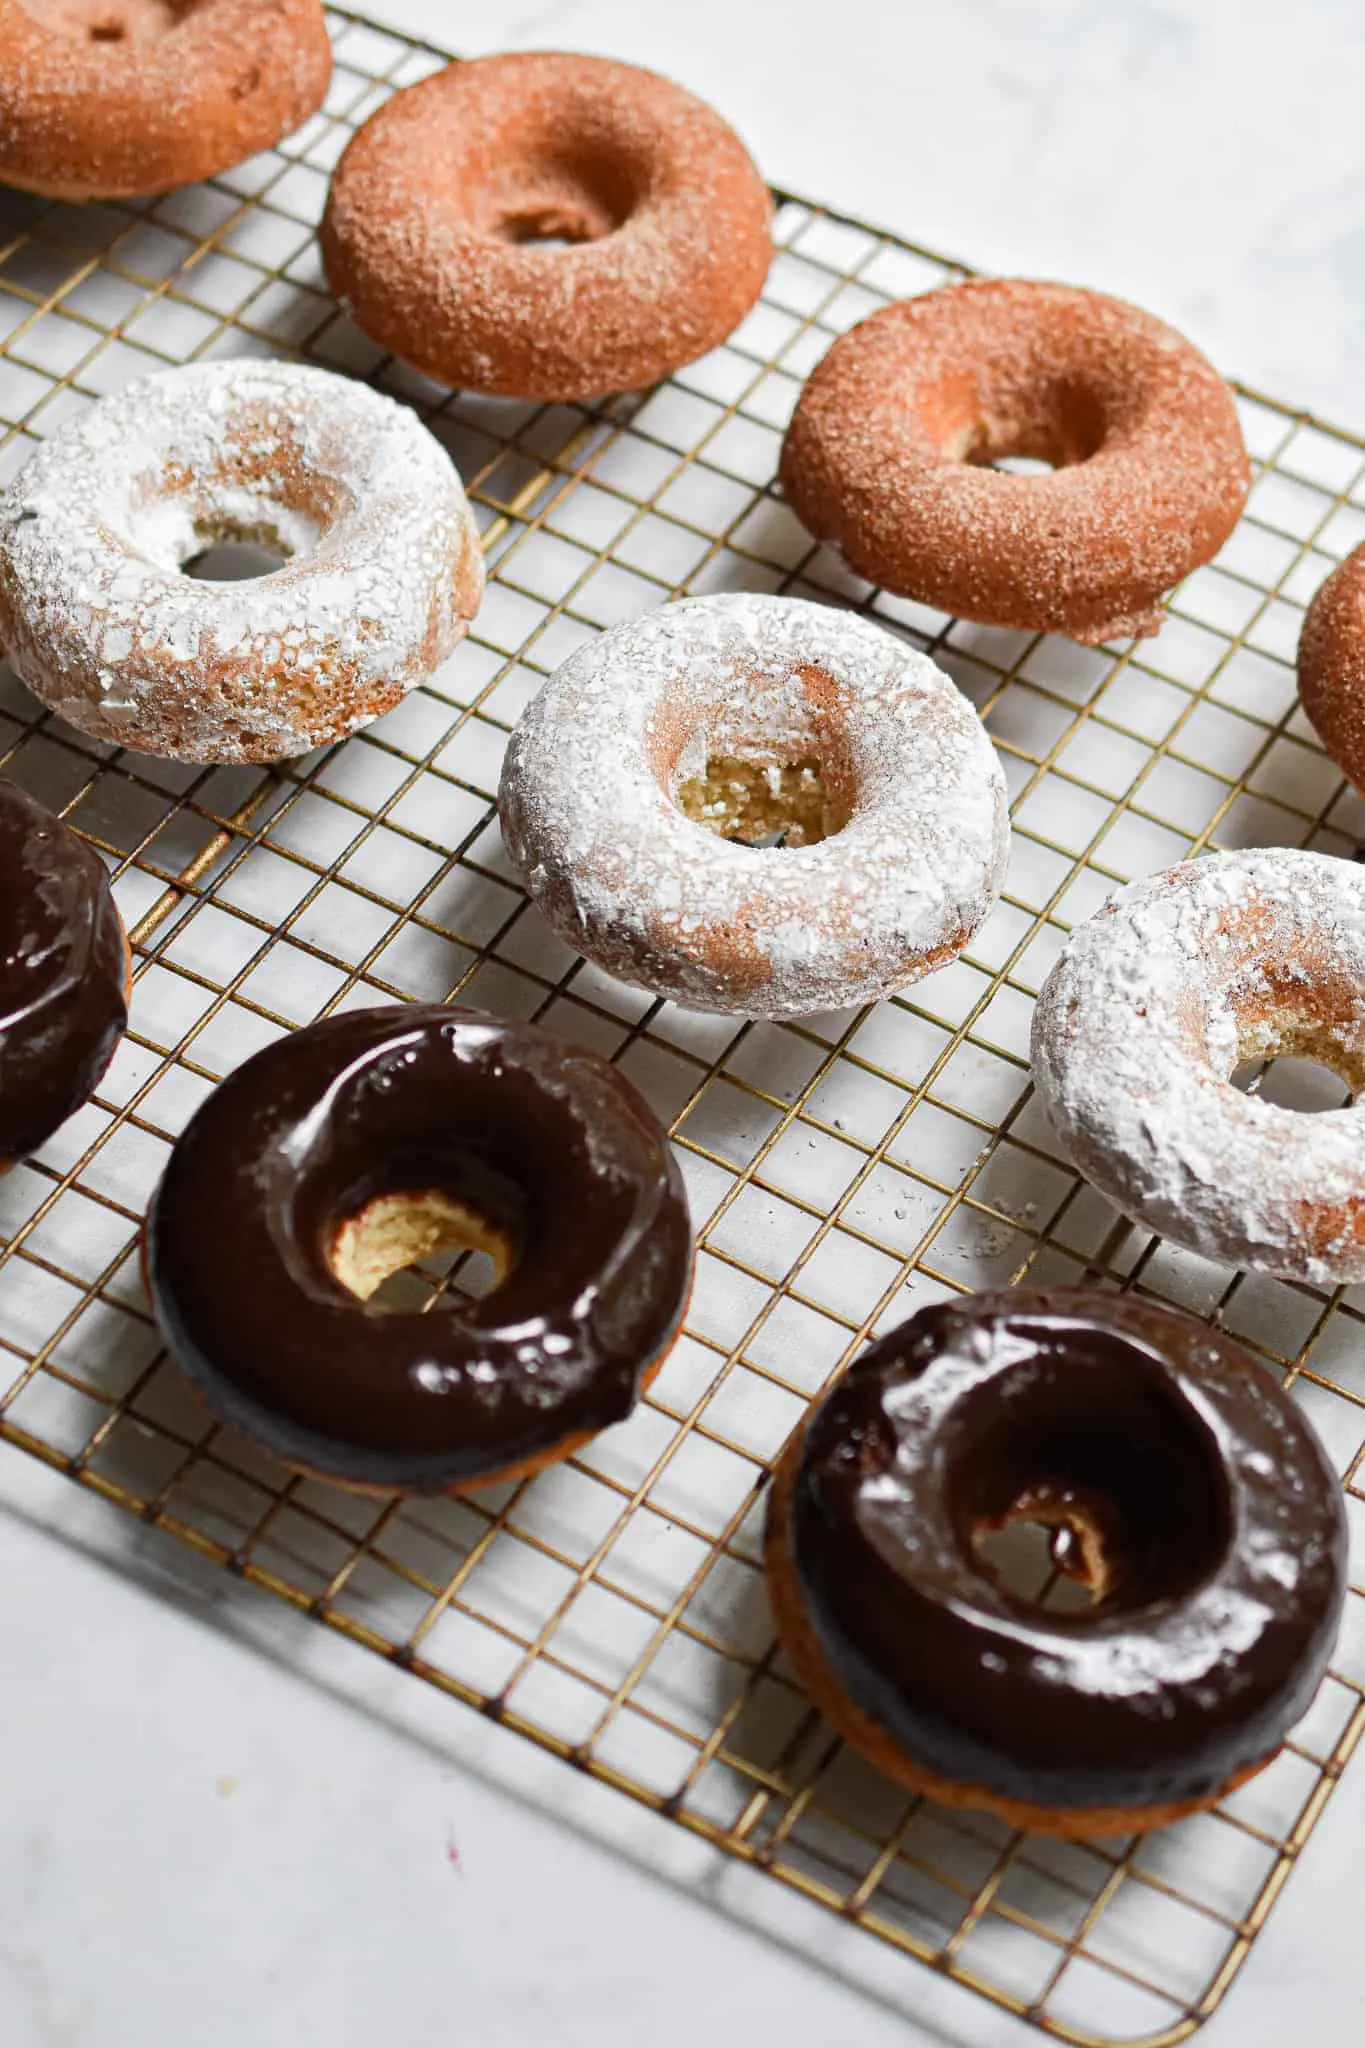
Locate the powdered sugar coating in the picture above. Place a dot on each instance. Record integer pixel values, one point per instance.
(101, 99)
(626, 878)
(384, 569)
(1148, 1011)
(440, 206)
(888, 456)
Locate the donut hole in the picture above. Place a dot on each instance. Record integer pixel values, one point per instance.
(1309, 1064)
(1022, 432)
(262, 502)
(562, 201)
(1057, 1564)
(95, 21)
(236, 561)
(773, 766)
(1307, 1086)
(1022, 465)
(232, 539)
(762, 803)
(1087, 1489)
(411, 1248)
(551, 225)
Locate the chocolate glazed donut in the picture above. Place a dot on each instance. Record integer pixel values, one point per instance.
(64, 970)
(358, 1145)
(1182, 1487)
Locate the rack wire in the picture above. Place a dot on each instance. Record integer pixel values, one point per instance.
(843, 1171)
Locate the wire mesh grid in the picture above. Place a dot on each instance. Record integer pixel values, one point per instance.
(842, 1171)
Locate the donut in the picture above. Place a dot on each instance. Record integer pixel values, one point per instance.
(1154, 1002)
(620, 764)
(438, 205)
(889, 450)
(383, 568)
(1182, 1490)
(64, 973)
(363, 1143)
(107, 99)
(1332, 666)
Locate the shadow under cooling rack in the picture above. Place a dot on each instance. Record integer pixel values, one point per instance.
(842, 1171)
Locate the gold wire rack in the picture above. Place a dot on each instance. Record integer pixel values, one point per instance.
(843, 1171)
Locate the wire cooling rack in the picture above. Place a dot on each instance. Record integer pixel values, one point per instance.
(843, 1171)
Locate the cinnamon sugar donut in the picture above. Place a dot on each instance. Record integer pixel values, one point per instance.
(1332, 666)
(383, 568)
(438, 203)
(105, 99)
(1152, 1005)
(606, 786)
(889, 449)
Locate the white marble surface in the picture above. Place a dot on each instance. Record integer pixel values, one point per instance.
(222, 1825)
(1204, 157)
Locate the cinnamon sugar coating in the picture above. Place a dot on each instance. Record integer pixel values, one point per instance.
(887, 456)
(437, 207)
(106, 99)
(1332, 666)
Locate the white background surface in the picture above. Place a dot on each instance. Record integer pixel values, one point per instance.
(221, 1825)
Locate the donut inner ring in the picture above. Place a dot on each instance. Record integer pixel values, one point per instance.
(762, 761)
(891, 448)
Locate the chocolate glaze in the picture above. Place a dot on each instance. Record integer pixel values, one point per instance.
(1220, 1520)
(63, 972)
(549, 1143)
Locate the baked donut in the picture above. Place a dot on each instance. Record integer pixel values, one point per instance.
(1332, 666)
(889, 451)
(1154, 1002)
(382, 576)
(632, 747)
(106, 99)
(1182, 1489)
(364, 1143)
(64, 972)
(437, 206)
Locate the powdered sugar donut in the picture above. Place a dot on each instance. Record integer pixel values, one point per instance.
(782, 692)
(889, 453)
(1143, 1019)
(382, 576)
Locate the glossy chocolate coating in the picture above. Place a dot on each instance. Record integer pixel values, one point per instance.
(63, 972)
(1222, 1524)
(548, 1143)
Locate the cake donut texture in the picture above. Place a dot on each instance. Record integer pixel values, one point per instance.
(1332, 666)
(592, 781)
(888, 455)
(106, 99)
(1182, 1490)
(438, 205)
(64, 972)
(1152, 1005)
(362, 1144)
(383, 569)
